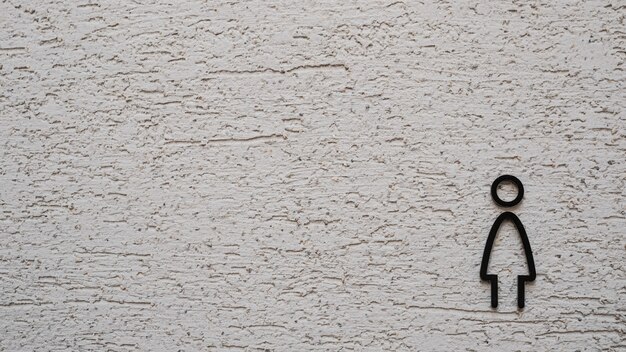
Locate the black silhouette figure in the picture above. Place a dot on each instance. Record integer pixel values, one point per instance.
(521, 279)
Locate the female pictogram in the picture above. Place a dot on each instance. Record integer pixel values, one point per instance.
(521, 279)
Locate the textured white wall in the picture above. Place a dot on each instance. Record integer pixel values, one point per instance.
(309, 175)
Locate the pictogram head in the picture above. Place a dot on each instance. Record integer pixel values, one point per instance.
(507, 178)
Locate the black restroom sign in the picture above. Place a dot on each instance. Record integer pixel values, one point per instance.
(507, 215)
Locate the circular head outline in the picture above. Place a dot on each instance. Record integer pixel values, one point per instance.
(518, 184)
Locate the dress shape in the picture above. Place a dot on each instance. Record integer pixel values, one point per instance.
(521, 279)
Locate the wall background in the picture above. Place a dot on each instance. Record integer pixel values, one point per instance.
(308, 175)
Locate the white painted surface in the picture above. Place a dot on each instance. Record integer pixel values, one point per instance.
(308, 175)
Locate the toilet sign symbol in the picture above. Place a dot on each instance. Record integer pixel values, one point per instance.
(521, 279)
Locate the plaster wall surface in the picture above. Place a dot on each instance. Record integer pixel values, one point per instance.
(309, 175)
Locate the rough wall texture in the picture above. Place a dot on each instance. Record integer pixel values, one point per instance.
(309, 175)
